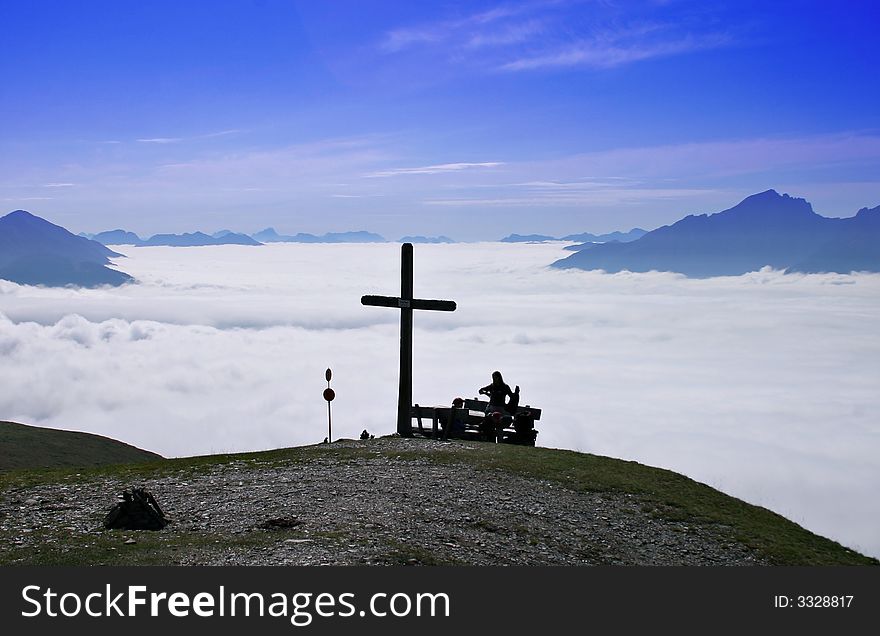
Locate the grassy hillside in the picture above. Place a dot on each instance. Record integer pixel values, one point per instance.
(24, 446)
(668, 499)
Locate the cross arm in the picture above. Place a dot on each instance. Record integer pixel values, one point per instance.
(380, 301)
(436, 305)
(403, 303)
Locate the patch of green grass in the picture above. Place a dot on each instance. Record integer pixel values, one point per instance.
(109, 547)
(23, 446)
(143, 471)
(400, 553)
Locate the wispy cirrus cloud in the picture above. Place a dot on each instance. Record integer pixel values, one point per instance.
(473, 28)
(161, 140)
(662, 183)
(440, 168)
(657, 173)
(544, 197)
(507, 35)
(608, 52)
(403, 38)
(176, 140)
(221, 133)
(309, 162)
(546, 36)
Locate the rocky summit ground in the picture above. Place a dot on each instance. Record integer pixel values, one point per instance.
(383, 501)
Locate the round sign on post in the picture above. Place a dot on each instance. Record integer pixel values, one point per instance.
(329, 394)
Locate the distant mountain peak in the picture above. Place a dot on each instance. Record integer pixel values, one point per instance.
(868, 211)
(117, 237)
(425, 239)
(767, 194)
(21, 213)
(528, 238)
(771, 202)
(34, 251)
(23, 216)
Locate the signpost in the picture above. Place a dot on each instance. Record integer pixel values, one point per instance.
(406, 303)
(329, 394)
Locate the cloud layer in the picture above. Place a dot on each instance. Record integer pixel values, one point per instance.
(762, 385)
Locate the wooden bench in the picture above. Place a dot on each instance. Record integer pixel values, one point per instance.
(436, 414)
(469, 422)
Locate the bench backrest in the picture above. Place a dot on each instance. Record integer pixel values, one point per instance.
(480, 405)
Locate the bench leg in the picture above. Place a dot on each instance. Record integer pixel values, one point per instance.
(419, 419)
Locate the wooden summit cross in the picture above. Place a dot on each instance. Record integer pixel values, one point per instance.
(406, 303)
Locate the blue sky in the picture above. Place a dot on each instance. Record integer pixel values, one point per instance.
(470, 119)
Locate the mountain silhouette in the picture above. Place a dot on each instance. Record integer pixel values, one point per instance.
(528, 238)
(117, 237)
(855, 246)
(36, 252)
(269, 235)
(765, 229)
(194, 239)
(425, 239)
(622, 237)
(586, 238)
(198, 239)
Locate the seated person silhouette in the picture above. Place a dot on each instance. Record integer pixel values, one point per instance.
(498, 392)
(456, 423)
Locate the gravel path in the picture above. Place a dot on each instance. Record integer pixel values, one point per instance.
(377, 509)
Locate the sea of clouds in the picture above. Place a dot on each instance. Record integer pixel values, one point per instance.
(763, 385)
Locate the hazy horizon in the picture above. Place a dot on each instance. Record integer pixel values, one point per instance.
(762, 385)
(251, 232)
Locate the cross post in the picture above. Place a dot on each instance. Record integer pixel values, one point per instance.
(406, 303)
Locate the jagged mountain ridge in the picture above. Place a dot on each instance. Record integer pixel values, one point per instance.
(587, 238)
(193, 239)
(34, 251)
(765, 229)
(425, 239)
(269, 235)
